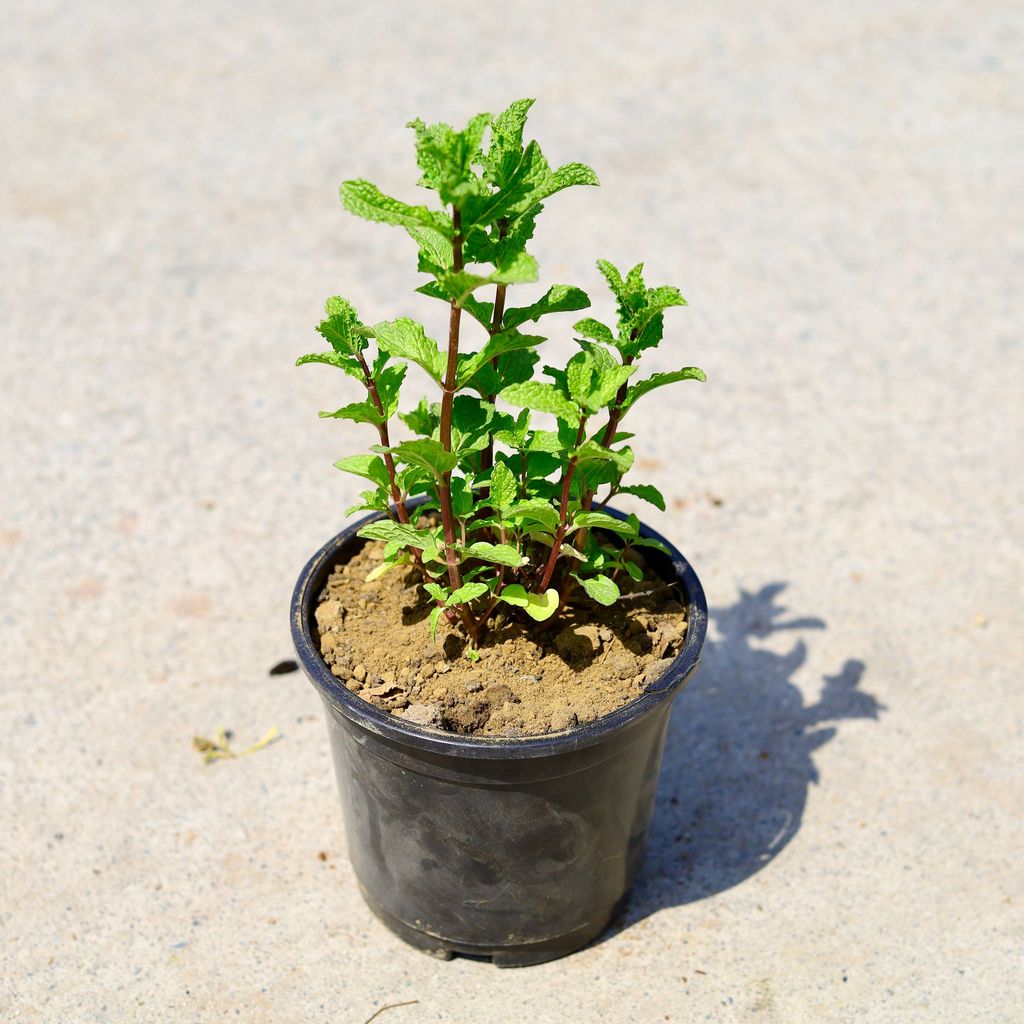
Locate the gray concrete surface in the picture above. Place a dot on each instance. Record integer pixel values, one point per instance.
(836, 188)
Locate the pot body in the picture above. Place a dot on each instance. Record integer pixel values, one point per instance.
(519, 849)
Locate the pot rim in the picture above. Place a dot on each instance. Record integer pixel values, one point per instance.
(391, 727)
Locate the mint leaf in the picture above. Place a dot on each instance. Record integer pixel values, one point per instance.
(559, 298)
(466, 593)
(425, 454)
(423, 419)
(591, 328)
(343, 362)
(506, 341)
(406, 339)
(506, 145)
(541, 397)
(365, 200)
(658, 380)
(602, 589)
(369, 466)
(504, 486)
(592, 451)
(501, 554)
(630, 527)
(646, 493)
(538, 606)
(403, 534)
(358, 412)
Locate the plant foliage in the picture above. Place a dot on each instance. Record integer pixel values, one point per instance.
(508, 506)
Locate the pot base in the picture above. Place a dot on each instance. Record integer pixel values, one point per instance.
(525, 955)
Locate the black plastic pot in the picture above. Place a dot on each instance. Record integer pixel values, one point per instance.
(519, 850)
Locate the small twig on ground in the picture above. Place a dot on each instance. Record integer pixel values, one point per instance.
(219, 748)
(390, 1006)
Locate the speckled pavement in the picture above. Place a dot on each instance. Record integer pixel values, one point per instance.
(834, 186)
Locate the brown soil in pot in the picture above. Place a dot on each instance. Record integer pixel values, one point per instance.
(375, 638)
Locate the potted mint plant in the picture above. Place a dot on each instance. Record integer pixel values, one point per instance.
(496, 647)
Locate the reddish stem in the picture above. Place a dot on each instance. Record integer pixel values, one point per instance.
(563, 510)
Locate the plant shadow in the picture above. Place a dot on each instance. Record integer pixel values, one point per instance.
(739, 757)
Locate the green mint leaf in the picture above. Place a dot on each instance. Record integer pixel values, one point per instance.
(436, 591)
(358, 412)
(466, 593)
(572, 174)
(538, 606)
(435, 615)
(424, 419)
(343, 362)
(435, 253)
(658, 380)
(504, 486)
(629, 527)
(649, 542)
(403, 534)
(520, 268)
(406, 339)
(388, 381)
(592, 451)
(591, 328)
(445, 155)
(367, 201)
(559, 298)
(514, 367)
(480, 311)
(541, 397)
(507, 341)
(369, 466)
(506, 144)
(343, 329)
(602, 589)
(646, 493)
(501, 554)
(535, 510)
(424, 454)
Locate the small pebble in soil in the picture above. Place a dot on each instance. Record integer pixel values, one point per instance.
(359, 672)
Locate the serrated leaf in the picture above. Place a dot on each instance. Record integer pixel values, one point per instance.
(645, 492)
(466, 593)
(358, 412)
(536, 510)
(503, 487)
(369, 466)
(342, 329)
(592, 451)
(537, 606)
(601, 520)
(404, 534)
(435, 253)
(559, 298)
(406, 339)
(591, 328)
(365, 200)
(634, 570)
(500, 554)
(506, 341)
(573, 174)
(436, 591)
(425, 454)
(658, 380)
(339, 359)
(506, 144)
(541, 397)
(649, 542)
(602, 589)
(423, 419)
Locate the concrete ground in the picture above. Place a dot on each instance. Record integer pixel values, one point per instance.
(835, 187)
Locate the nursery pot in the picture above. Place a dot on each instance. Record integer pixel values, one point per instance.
(515, 849)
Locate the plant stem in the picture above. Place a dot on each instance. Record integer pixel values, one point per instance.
(382, 431)
(497, 315)
(563, 510)
(444, 490)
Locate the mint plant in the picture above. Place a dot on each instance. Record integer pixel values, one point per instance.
(507, 511)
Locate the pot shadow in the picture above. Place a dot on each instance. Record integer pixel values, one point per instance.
(738, 758)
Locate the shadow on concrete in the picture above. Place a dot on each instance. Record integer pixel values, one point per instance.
(739, 757)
